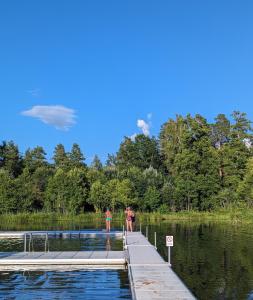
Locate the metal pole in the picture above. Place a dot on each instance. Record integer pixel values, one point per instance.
(25, 243)
(147, 232)
(169, 256)
(46, 242)
(140, 227)
(30, 238)
(155, 240)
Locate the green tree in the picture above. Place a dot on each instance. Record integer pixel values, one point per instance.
(142, 153)
(152, 199)
(245, 187)
(196, 167)
(96, 164)
(98, 197)
(10, 159)
(76, 157)
(60, 157)
(171, 140)
(35, 158)
(8, 201)
(67, 191)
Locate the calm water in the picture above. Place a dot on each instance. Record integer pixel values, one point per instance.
(62, 244)
(89, 284)
(214, 260)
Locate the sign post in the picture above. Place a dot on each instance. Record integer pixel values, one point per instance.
(169, 243)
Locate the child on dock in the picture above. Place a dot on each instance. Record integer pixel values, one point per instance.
(108, 218)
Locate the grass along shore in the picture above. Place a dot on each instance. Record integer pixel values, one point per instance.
(232, 215)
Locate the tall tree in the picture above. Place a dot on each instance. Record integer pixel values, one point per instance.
(96, 163)
(60, 157)
(76, 156)
(35, 158)
(242, 126)
(143, 152)
(171, 140)
(196, 167)
(10, 159)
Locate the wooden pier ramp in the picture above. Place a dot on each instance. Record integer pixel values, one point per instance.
(150, 276)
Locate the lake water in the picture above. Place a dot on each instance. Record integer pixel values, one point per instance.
(214, 260)
(81, 284)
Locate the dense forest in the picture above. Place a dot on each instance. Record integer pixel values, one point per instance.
(192, 165)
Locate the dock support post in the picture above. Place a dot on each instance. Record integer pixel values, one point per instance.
(30, 240)
(155, 241)
(25, 243)
(46, 243)
(169, 256)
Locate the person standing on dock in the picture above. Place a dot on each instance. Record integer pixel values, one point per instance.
(133, 219)
(108, 218)
(128, 213)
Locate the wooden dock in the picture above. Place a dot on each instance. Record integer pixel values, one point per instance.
(150, 276)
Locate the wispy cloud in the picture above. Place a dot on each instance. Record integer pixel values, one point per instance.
(59, 116)
(34, 92)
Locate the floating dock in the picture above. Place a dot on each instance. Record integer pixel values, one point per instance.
(80, 258)
(150, 276)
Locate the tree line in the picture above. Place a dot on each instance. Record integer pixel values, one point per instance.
(192, 165)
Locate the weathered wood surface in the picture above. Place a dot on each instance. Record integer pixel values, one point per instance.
(150, 276)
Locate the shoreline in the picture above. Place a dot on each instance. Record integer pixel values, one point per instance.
(233, 216)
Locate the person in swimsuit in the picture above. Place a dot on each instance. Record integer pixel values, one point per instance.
(108, 218)
(133, 220)
(128, 213)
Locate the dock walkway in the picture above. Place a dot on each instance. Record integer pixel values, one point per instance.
(83, 258)
(150, 276)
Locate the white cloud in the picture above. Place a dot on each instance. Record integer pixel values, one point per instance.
(59, 116)
(133, 136)
(145, 127)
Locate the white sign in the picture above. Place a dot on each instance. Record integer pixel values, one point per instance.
(169, 240)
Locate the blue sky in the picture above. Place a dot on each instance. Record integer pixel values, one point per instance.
(87, 71)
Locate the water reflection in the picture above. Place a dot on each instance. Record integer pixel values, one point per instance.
(96, 284)
(215, 261)
(59, 244)
(108, 243)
